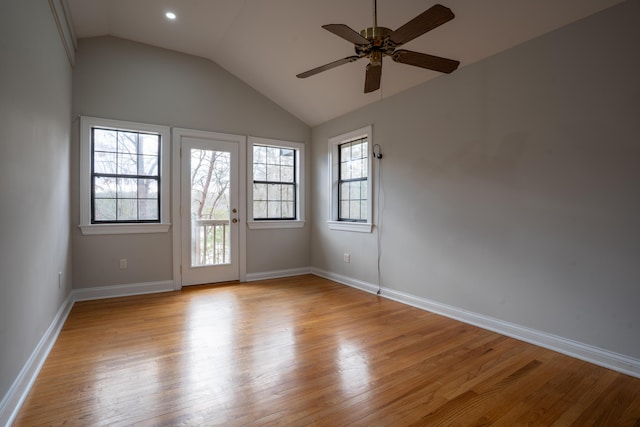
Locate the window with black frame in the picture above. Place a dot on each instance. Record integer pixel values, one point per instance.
(125, 176)
(353, 167)
(274, 183)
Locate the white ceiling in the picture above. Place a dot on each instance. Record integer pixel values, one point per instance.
(266, 43)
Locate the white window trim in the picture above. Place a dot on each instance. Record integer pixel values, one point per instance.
(334, 142)
(300, 174)
(86, 124)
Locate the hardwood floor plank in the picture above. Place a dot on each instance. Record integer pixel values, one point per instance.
(608, 409)
(306, 351)
(536, 408)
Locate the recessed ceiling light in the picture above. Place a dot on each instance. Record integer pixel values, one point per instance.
(170, 15)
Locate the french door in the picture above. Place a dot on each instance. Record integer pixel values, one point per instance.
(208, 217)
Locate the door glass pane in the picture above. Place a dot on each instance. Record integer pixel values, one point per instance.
(210, 207)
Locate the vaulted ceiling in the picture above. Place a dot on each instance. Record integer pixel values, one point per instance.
(266, 43)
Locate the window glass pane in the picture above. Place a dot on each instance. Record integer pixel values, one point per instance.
(104, 162)
(356, 169)
(210, 184)
(259, 172)
(259, 154)
(287, 156)
(273, 173)
(345, 152)
(344, 191)
(354, 190)
(105, 140)
(288, 192)
(127, 164)
(127, 209)
(345, 170)
(273, 155)
(344, 209)
(273, 209)
(147, 189)
(260, 209)
(354, 211)
(287, 174)
(128, 142)
(149, 144)
(259, 191)
(105, 209)
(356, 150)
(127, 188)
(105, 187)
(148, 165)
(148, 209)
(288, 209)
(274, 192)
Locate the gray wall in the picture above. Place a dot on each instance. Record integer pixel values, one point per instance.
(511, 186)
(119, 79)
(35, 118)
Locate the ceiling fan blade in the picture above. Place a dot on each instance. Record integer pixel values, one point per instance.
(423, 60)
(372, 77)
(328, 66)
(346, 33)
(426, 21)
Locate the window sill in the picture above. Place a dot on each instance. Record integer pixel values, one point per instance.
(358, 227)
(261, 225)
(94, 229)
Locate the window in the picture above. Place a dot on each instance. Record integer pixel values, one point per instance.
(353, 163)
(275, 183)
(125, 176)
(121, 183)
(351, 189)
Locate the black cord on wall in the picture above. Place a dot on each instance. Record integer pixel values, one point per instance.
(377, 154)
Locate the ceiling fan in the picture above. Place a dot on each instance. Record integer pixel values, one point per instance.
(377, 42)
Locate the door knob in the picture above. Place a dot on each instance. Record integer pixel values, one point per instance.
(234, 220)
(234, 210)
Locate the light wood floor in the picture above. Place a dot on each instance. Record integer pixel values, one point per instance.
(307, 351)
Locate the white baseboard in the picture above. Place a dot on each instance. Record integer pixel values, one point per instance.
(101, 292)
(598, 356)
(20, 388)
(252, 277)
(354, 283)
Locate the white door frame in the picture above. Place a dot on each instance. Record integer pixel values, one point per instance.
(176, 193)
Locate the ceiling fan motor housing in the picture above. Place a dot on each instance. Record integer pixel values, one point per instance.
(379, 44)
(376, 35)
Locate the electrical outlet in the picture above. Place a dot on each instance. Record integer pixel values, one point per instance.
(347, 258)
(123, 263)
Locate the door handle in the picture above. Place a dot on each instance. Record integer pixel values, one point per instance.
(234, 220)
